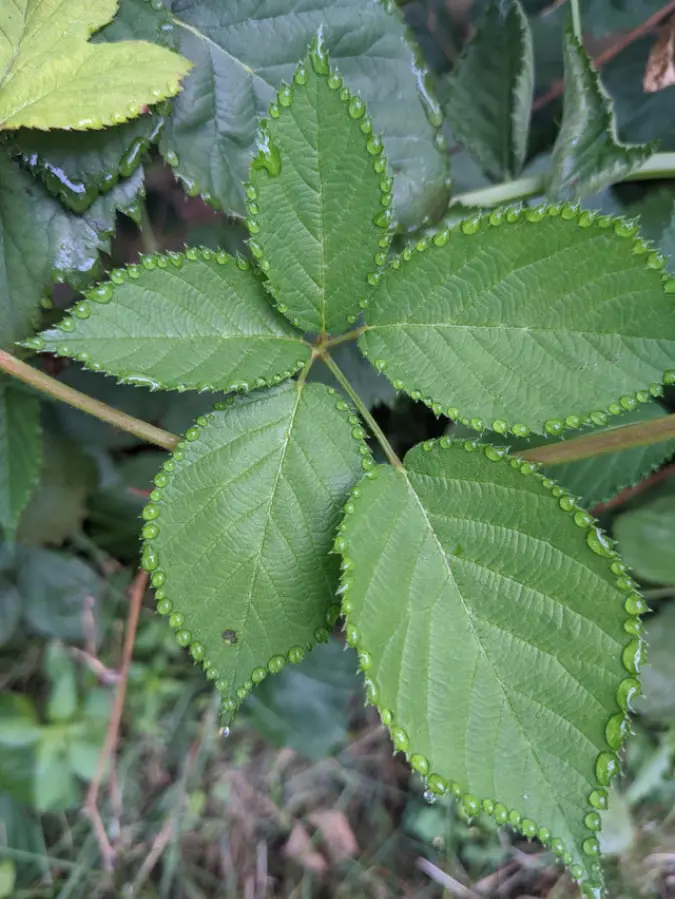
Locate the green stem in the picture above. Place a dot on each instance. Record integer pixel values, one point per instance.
(149, 241)
(660, 165)
(609, 441)
(341, 378)
(576, 20)
(42, 382)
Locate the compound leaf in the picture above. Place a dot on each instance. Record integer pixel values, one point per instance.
(315, 191)
(588, 154)
(527, 321)
(194, 321)
(242, 52)
(488, 99)
(20, 451)
(490, 626)
(597, 479)
(52, 77)
(238, 539)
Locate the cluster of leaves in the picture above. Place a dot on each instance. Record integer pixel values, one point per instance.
(521, 321)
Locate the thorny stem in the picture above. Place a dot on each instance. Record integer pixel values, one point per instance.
(609, 441)
(45, 384)
(660, 165)
(341, 378)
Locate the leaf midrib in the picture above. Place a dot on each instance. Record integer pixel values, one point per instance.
(506, 327)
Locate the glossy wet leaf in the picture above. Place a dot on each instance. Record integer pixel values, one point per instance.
(463, 575)
(194, 323)
(20, 451)
(488, 98)
(647, 536)
(305, 707)
(588, 154)
(243, 52)
(317, 193)
(534, 323)
(40, 242)
(597, 479)
(52, 77)
(243, 528)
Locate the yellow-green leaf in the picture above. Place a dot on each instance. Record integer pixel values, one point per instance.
(51, 77)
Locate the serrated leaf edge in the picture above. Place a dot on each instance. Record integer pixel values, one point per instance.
(607, 763)
(232, 696)
(510, 215)
(103, 293)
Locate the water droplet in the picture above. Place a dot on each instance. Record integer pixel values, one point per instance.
(590, 846)
(158, 579)
(429, 797)
(628, 690)
(258, 675)
(183, 638)
(164, 607)
(470, 226)
(599, 542)
(499, 426)
(643, 396)
(161, 479)
(67, 325)
(606, 767)
(192, 434)
(634, 627)
(150, 531)
(150, 512)
(268, 156)
(300, 76)
(171, 158)
(557, 847)
(669, 377)
(436, 784)
(520, 430)
(528, 828)
(635, 605)
(365, 661)
(275, 111)
(632, 656)
(554, 426)
(544, 835)
(197, 651)
(387, 717)
(625, 584)
(275, 664)
(616, 731)
(577, 871)
(374, 146)
(514, 817)
(420, 763)
(495, 453)
(356, 108)
(582, 519)
(34, 343)
(566, 503)
(296, 654)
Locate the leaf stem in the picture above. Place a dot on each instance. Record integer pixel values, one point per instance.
(45, 384)
(660, 165)
(341, 378)
(576, 20)
(609, 441)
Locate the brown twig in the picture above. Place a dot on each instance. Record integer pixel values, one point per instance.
(108, 749)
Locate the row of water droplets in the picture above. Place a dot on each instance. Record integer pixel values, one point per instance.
(617, 726)
(511, 215)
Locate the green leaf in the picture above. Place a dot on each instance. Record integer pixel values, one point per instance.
(241, 54)
(658, 677)
(7, 878)
(588, 154)
(20, 451)
(647, 536)
(491, 630)
(597, 479)
(182, 322)
(315, 196)
(40, 242)
(488, 98)
(10, 610)
(54, 784)
(51, 77)
(56, 589)
(20, 724)
(305, 707)
(605, 17)
(238, 542)
(528, 321)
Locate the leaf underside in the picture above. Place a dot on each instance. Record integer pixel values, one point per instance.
(197, 323)
(313, 209)
(527, 320)
(245, 522)
(242, 52)
(489, 97)
(600, 478)
(20, 451)
(588, 154)
(491, 636)
(51, 77)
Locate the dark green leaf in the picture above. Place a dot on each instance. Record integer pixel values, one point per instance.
(658, 677)
(588, 154)
(462, 573)
(199, 322)
(238, 543)
(317, 208)
(647, 539)
(20, 451)
(526, 321)
(488, 98)
(242, 52)
(305, 707)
